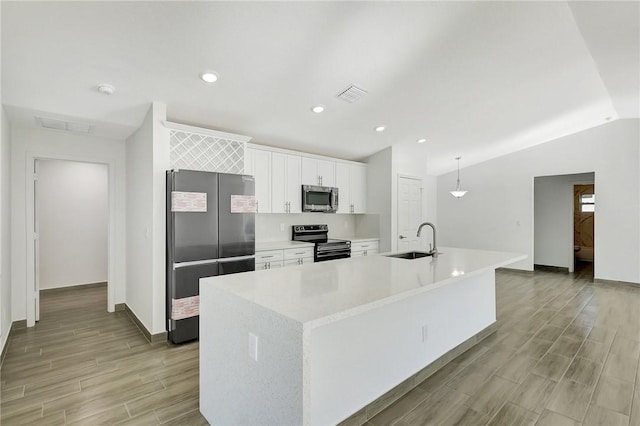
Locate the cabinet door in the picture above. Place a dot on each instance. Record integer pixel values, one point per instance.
(248, 161)
(293, 191)
(310, 171)
(358, 177)
(327, 172)
(343, 183)
(278, 182)
(262, 174)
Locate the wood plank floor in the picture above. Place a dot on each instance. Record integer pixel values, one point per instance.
(82, 365)
(566, 353)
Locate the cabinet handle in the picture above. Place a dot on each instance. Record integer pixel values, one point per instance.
(266, 257)
(365, 252)
(256, 206)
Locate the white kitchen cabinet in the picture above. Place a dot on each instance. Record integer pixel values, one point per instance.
(351, 180)
(285, 183)
(343, 183)
(259, 165)
(364, 248)
(358, 190)
(270, 259)
(318, 172)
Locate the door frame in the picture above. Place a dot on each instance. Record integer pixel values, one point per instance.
(31, 294)
(394, 242)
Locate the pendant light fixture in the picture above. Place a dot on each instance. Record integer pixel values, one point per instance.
(458, 192)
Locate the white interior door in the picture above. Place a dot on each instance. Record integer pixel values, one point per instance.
(409, 212)
(36, 242)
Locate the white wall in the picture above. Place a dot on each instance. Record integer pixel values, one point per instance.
(5, 229)
(277, 227)
(553, 219)
(147, 152)
(497, 213)
(28, 141)
(73, 217)
(409, 159)
(379, 192)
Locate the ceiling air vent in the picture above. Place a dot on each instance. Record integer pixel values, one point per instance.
(352, 94)
(68, 126)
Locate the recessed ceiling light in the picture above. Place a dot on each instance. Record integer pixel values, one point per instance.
(209, 77)
(380, 128)
(106, 89)
(421, 140)
(317, 109)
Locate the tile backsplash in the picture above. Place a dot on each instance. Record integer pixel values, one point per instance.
(277, 227)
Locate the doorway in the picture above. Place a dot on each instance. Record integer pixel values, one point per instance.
(409, 205)
(71, 215)
(555, 214)
(584, 199)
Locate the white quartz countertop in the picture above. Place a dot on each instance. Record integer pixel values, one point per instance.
(320, 293)
(361, 239)
(279, 245)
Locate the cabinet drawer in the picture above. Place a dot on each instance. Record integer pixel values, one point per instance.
(269, 265)
(268, 256)
(364, 245)
(298, 253)
(298, 261)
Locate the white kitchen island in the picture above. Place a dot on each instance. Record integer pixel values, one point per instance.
(313, 344)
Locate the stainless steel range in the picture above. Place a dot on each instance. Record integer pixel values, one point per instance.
(325, 248)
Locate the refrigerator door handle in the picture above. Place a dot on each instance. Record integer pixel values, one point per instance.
(235, 259)
(193, 263)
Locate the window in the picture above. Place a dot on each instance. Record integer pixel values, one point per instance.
(588, 203)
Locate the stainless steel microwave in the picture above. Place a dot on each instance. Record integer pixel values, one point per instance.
(319, 199)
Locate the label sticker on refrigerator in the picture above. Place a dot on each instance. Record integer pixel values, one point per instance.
(188, 201)
(186, 307)
(243, 204)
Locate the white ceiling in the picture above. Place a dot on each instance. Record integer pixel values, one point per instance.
(477, 79)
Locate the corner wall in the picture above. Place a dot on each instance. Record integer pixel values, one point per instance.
(408, 159)
(5, 233)
(497, 213)
(147, 153)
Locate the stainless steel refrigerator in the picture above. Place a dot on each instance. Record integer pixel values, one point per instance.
(210, 231)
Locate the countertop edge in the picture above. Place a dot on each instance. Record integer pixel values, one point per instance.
(318, 322)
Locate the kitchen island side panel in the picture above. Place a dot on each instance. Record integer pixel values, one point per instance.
(235, 389)
(362, 357)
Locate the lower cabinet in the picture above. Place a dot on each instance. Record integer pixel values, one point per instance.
(364, 248)
(270, 259)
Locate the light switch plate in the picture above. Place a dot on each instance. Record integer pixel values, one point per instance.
(253, 346)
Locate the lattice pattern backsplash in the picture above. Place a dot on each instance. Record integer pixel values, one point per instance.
(193, 151)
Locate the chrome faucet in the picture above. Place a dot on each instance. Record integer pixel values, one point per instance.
(434, 250)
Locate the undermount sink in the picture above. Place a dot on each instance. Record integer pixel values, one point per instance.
(410, 255)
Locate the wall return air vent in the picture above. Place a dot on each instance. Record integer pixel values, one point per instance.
(67, 126)
(352, 93)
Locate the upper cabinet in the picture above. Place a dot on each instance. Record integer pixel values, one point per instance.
(286, 189)
(318, 172)
(258, 164)
(351, 180)
(280, 174)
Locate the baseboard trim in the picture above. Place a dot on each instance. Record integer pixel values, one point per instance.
(16, 325)
(517, 271)
(72, 287)
(614, 282)
(152, 338)
(363, 415)
(547, 268)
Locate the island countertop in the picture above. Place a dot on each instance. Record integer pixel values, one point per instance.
(321, 293)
